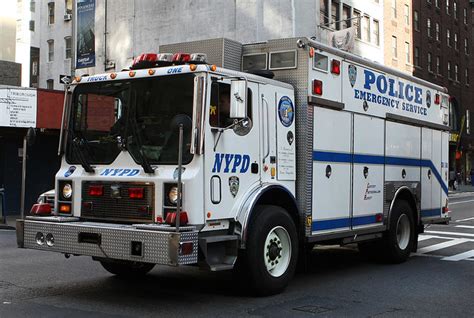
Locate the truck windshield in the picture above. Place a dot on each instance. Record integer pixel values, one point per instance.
(142, 116)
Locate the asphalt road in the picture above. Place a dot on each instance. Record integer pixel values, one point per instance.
(435, 282)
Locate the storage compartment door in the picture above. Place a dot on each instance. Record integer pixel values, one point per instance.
(331, 171)
(426, 172)
(368, 171)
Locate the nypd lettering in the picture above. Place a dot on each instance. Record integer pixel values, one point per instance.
(97, 78)
(393, 93)
(231, 163)
(119, 172)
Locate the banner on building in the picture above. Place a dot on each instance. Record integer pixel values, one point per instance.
(18, 107)
(343, 39)
(85, 32)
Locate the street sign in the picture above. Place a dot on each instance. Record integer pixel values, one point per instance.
(65, 79)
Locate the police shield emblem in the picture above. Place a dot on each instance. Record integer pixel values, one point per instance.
(352, 71)
(428, 99)
(234, 185)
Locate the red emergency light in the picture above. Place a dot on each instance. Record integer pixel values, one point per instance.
(171, 218)
(317, 87)
(41, 209)
(136, 193)
(144, 60)
(96, 190)
(336, 67)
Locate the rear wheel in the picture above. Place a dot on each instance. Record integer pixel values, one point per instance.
(127, 268)
(400, 238)
(398, 242)
(269, 261)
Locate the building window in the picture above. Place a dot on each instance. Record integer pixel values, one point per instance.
(394, 9)
(346, 15)
(416, 21)
(466, 76)
(466, 46)
(394, 46)
(448, 37)
(407, 15)
(456, 75)
(50, 84)
(68, 6)
(456, 41)
(366, 28)
(335, 15)
(455, 10)
(465, 15)
(437, 31)
(430, 69)
(428, 26)
(437, 3)
(32, 6)
(51, 12)
(50, 50)
(449, 70)
(67, 42)
(447, 6)
(32, 25)
(323, 13)
(417, 56)
(376, 33)
(357, 23)
(438, 66)
(407, 52)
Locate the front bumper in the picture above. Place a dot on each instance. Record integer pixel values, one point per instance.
(139, 242)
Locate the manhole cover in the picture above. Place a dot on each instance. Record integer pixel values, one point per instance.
(313, 309)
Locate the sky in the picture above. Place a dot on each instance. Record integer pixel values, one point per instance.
(8, 8)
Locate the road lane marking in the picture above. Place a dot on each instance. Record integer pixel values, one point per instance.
(439, 246)
(460, 202)
(465, 226)
(450, 233)
(459, 257)
(425, 237)
(462, 220)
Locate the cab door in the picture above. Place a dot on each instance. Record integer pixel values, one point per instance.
(232, 153)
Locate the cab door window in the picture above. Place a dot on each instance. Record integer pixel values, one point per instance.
(219, 110)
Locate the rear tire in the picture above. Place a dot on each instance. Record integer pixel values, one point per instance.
(399, 240)
(127, 269)
(269, 261)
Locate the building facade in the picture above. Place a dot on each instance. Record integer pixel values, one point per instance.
(123, 29)
(442, 54)
(398, 26)
(44, 42)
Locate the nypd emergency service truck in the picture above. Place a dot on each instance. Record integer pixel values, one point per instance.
(291, 143)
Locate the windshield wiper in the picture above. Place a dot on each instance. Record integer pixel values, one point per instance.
(77, 144)
(143, 159)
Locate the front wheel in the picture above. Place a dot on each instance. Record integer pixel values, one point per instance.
(269, 261)
(126, 268)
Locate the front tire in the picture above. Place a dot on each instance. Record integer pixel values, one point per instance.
(127, 269)
(269, 261)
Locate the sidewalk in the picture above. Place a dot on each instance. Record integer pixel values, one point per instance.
(462, 188)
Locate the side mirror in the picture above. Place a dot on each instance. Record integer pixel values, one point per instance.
(31, 136)
(238, 99)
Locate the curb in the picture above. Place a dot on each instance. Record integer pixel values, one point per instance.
(6, 227)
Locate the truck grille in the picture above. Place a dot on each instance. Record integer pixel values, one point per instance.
(117, 205)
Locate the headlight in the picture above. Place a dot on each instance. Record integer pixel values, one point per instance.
(67, 191)
(173, 195)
